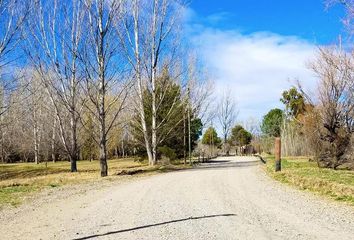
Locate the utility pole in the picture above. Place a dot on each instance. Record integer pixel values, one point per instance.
(123, 152)
(184, 137)
(277, 152)
(189, 128)
(212, 140)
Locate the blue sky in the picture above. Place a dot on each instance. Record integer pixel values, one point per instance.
(308, 19)
(258, 48)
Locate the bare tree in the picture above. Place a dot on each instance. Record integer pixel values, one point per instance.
(226, 114)
(150, 29)
(335, 70)
(36, 94)
(200, 87)
(13, 14)
(252, 125)
(349, 9)
(55, 42)
(198, 97)
(106, 86)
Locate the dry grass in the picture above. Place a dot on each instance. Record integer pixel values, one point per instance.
(305, 175)
(19, 180)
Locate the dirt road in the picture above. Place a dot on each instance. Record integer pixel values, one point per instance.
(229, 198)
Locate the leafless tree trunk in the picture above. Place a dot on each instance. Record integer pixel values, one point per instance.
(102, 76)
(184, 138)
(36, 136)
(139, 76)
(123, 149)
(189, 129)
(2, 131)
(2, 146)
(53, 139)
(38, 107)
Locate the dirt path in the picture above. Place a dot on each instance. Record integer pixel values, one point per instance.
(229, 198)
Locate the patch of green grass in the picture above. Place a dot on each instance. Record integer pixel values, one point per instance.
(21, 179)
(13, 195)
(306, 175)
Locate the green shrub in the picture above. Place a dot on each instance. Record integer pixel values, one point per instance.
(168, 153)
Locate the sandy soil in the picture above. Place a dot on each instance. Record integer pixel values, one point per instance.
(229, 198)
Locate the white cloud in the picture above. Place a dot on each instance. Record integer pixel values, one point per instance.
(257, 67)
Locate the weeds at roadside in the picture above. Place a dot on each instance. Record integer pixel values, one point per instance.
(305, 175)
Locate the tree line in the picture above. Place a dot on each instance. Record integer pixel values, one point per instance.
(84, 79)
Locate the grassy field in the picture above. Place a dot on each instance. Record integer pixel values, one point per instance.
(305, 175)
(20, 180)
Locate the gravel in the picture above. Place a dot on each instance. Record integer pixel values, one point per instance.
(228, 198)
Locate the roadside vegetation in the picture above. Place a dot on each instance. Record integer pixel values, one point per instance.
(20, 180)
(306, 175)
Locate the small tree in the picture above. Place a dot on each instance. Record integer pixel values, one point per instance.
(240, 136)
(169, 117)
(89, 146)
(271, 124)
(210, 137)
(294, 102)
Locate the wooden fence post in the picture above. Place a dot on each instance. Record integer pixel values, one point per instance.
(277, 152)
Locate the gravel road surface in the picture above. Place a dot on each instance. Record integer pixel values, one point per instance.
(228, 198)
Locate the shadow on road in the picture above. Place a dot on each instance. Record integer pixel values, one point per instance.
(218, 161)
(154, 225)
(220, 164)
